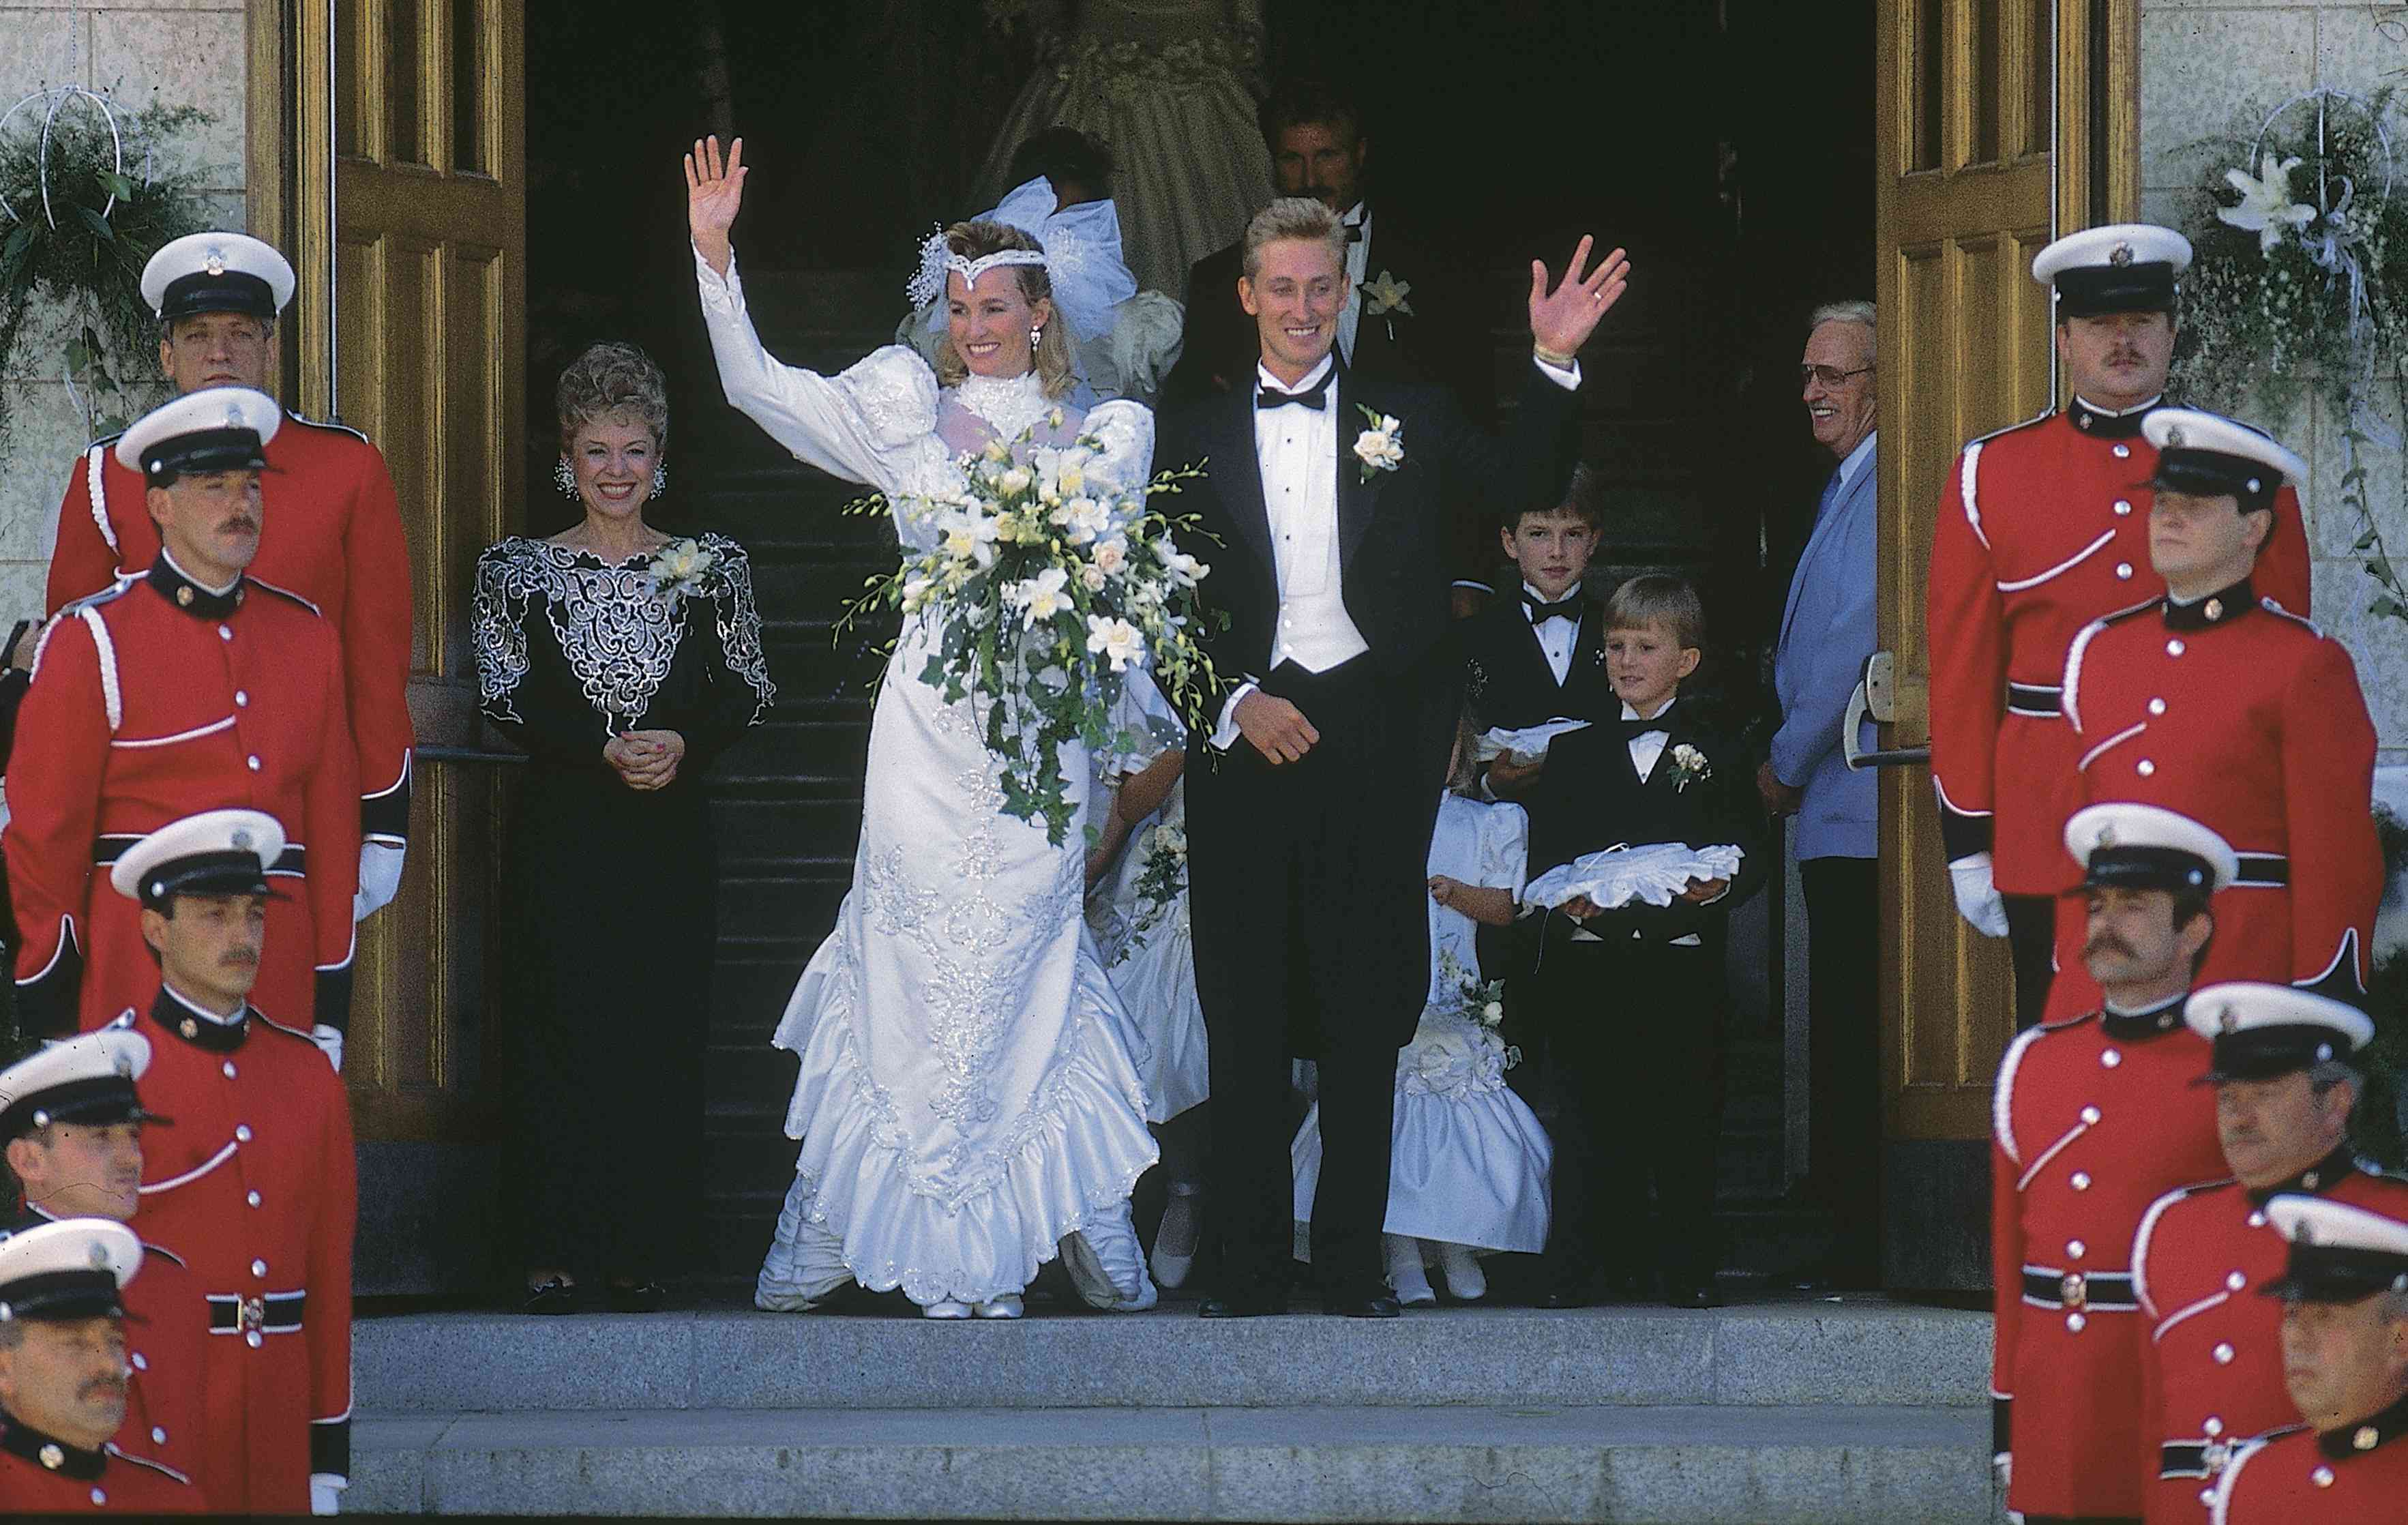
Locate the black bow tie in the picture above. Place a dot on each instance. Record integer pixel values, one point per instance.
(1315, 398)
(1633, 729)
(1540, 612)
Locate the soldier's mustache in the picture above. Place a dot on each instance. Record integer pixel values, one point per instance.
(2107, 943)
(103, 1387)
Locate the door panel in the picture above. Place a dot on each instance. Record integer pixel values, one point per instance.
(410, 129)
(1975, 178)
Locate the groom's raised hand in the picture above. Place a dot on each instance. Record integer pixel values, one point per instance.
(713, 191)
(1562, 319)
(1276, 729)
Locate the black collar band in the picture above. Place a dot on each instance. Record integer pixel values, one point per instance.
(189, 596)
(2148, 1022)
(2323, 1175)
(2222, 607)
(50, 1455)
(2360, 1438)
(2104, 423)
(216, 1034)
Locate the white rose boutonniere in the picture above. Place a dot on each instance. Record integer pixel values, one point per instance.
(1690, 765)
(1381, 447)
(1383, 298)
(679, 568)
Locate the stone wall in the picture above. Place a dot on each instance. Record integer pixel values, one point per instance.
(179, 51)
(2201, 60)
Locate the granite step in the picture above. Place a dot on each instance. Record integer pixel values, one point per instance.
(1802, 1352)
(1531, 1460)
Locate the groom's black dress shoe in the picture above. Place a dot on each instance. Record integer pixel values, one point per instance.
(1369, 1306)
(1252, 1303)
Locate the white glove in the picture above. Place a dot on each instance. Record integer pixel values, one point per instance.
(380, 878)
(1977, 898)
(330, 1042)
(327, 1492)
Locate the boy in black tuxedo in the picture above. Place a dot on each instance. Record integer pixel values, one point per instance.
(1541, 655)
(1635, 994)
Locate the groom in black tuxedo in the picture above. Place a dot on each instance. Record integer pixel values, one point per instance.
(1310, 804)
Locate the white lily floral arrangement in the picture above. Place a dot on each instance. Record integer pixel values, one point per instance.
(1161, 879)
(1043, 589)
(1689, 765)
(2298, 288)
(681, 567)
(1470, 998)
(1381, 447)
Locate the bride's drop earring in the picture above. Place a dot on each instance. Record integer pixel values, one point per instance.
(566, 475)
(1036, 336)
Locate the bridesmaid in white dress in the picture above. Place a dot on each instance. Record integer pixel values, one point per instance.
(1140, 806)
(1469, 1169)
(966, 1102)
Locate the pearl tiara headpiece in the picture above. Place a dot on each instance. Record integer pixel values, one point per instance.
(938, 260)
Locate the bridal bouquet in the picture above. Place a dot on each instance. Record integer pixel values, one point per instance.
(1043, 589)
(1464, 996)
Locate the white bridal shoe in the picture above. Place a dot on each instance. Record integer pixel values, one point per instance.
(945, 1308)
(1174, 1242)
(1007, 1306)
(1406, 1277)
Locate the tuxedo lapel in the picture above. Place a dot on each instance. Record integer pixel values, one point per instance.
(1238, 473)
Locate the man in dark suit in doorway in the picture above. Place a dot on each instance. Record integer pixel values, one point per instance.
(1310, 804)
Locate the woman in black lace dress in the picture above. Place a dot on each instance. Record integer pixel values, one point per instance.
(622, 661)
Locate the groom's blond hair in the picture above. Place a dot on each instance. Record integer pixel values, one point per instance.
(1293, 218)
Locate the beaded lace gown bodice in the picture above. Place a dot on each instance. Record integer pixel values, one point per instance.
(967, 1095)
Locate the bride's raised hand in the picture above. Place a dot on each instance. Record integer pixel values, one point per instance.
(713, 192)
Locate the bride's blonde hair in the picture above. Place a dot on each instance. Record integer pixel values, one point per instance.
(975, 241)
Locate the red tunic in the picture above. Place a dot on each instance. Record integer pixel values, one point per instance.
(331, 532)
(165, 1325)
(2093, 1120)
(41, 1476)
(2043, 529)
(144, 709)
(2248, 720)
(2300, 1475)
(255, 1187)
(2213, 1369)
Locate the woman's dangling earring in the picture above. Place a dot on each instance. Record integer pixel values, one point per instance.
(660, 480)
(1036, 336)
(566, 475)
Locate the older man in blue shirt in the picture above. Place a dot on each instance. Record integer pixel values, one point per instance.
(1826, 632)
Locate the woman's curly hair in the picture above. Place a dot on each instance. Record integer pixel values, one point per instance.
(613, 380)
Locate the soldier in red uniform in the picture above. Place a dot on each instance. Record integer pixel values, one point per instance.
(73, 1123)
(62, 1369)
(186, 688)
(254, 1186)
(2043, 529)
(2345, 1362)
(333, 533)
(2212, 1370)
(2218, 702)
(2094, 1119)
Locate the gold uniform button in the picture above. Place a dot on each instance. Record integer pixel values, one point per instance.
(2074, 1322)
(2123, 450)
(53, 1457)
(2156, 707)
(189, 1027)
(2256, 1220)
(242, 1132)
(241, 699)
(2090, 1115)
(252, 1339)
(2367, 1438)
(259, 1268)
(2124, 570)
(2223, 1354)
(2123, 507)
(252, 1199)
(2236, 1281)
(228, 1067)
(2111, 1059)
(224, 634)
(2322, 1477)
(2080, 1180)
(2145, 768)
(2214, 1427)
(252, 763)
(98, 1497)
(158, 1436)
(2175, 648)
(183, 597)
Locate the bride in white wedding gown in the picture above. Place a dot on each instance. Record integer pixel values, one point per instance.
(966, 1103)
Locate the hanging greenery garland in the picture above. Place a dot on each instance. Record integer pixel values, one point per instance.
(82, 209)
(2300, 288)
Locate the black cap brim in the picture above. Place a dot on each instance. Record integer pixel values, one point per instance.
(2093, 291)
(97, 1102)
(2338, 1273)
(2212, 474)
(62, 1296)
(229, 291)
(2146, 867)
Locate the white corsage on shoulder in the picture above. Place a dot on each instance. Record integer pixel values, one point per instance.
(1381, 447)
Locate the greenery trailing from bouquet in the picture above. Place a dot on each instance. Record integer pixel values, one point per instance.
(2298, 288)
(85, 255)
(1043, 589)
(1161, 879)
